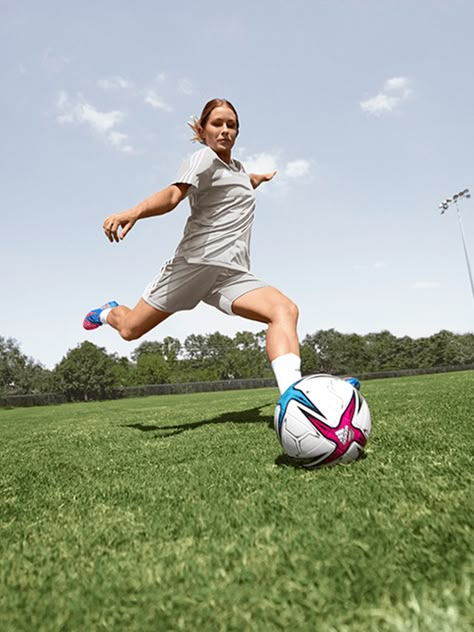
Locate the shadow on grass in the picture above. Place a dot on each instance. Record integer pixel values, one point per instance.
(286, 461)
(250, 416)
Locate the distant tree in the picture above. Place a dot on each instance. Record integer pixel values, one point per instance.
(248, 358)
(204, 357)
(171, 350)
(244, 340)
(310, 358)
(87, 372)
(446, 349)
(382, 349)
(40, 379)
(245, 364)
(191, 371)
(156, 361)
(151, 368)
(465, 346)
(195, 347)
(149, 346)
(325, 353)
(403, 355)
(124, 369)
(354, 356)
(422, 356)
(12, 364)
(217, 345)
(20, 374)
(236, 358)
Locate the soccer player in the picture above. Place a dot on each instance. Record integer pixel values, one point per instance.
(212, 260)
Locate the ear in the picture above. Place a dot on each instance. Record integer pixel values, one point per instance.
(200, 131)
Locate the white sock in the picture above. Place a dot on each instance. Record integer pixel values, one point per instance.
(287, 370)
(103, 315)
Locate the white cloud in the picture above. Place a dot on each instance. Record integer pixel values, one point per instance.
(379, 104)
(297, 168)
(153, 99)
(79, 111)
(82, 112)
(115, 82)
(287, 170)
(102, 122)
(119, 141)
(397, 84)
(260, 163)
(396, 91)
(426, 285)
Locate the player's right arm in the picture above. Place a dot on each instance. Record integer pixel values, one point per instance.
(116, 226)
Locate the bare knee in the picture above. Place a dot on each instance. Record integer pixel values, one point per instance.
(267, 305)
(134, 323)
(286, 310)
(293, 311)
(130, 333)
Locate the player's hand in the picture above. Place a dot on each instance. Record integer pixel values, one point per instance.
(256, 179)
(266, 177)
(118, 225)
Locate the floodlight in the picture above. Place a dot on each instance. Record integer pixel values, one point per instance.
(444, 205)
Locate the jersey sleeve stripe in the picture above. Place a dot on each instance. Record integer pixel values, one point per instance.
(188, 176)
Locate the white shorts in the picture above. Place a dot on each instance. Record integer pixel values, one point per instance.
(182, 285)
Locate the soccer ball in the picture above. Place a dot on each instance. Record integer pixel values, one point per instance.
(322, 420)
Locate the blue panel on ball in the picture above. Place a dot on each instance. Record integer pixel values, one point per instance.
(291, 393)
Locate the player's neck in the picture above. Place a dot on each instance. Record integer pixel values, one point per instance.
(225, 156)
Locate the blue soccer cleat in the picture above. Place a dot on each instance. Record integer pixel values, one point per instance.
(92, 320)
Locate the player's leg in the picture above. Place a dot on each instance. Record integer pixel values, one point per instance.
(130, 323)
(179, 286)
(135, 323)
(269, 305)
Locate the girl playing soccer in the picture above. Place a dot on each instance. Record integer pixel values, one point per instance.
(212, 260)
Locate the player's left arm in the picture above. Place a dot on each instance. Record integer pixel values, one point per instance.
(256, 179)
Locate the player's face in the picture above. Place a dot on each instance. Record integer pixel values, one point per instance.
(220, 131)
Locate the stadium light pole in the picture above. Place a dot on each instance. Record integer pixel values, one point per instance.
(445, 204)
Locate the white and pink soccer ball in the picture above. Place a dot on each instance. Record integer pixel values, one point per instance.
(322, 420)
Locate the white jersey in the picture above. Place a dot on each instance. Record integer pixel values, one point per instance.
(222, 202)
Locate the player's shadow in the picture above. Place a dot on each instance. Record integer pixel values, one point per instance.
(250, 416)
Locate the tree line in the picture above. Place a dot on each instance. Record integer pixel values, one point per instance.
(89, 372)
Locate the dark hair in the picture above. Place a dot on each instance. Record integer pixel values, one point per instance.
(197, 125)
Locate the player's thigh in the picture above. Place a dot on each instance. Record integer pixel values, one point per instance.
(265, 304)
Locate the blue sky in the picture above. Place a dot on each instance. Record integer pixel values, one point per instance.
(365, 107)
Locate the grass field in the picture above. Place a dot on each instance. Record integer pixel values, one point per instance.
(178, 513)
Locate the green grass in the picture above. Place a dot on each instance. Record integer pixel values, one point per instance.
(177, 513)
